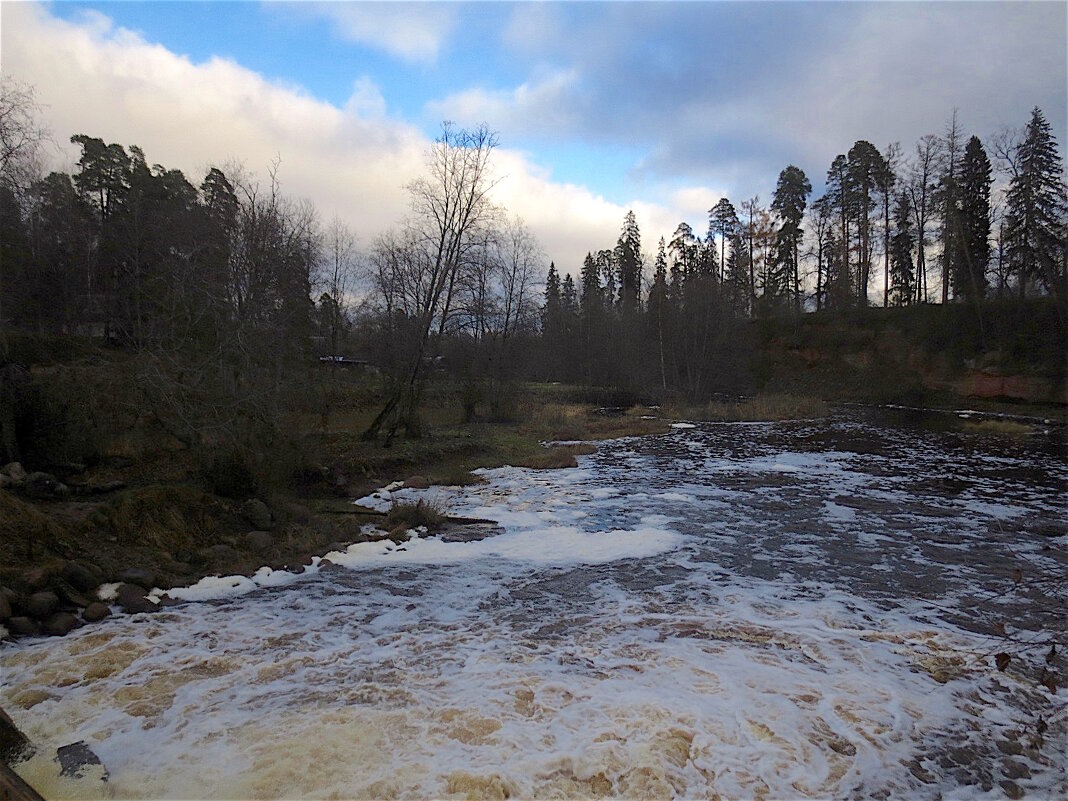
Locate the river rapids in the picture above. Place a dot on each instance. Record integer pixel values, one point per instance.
(737, 610)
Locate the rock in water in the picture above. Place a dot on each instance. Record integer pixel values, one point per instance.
(95, 611)
(74, 758)
(60, 624)
(132, 599)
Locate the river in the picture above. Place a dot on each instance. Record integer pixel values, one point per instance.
(804, 609)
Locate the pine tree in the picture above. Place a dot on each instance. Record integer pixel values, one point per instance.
(970, 240)
(791, 196)
(839, 197)
(902, 274)
(723, 221)
(1036, 210)
(866, 166)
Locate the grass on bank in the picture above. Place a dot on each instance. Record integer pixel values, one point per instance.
(759, 409)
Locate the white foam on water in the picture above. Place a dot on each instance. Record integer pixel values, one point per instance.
(636, 651)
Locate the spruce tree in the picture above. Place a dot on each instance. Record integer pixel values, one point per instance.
(902, 273)
(970, 240)
(628, 261)
(1036, 210)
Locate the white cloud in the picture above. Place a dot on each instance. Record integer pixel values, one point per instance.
(541, 104)
(411, 31)
(353, 161)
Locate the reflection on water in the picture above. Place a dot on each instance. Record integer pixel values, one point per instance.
(786, 610)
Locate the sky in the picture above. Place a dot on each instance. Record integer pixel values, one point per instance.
(600, 107)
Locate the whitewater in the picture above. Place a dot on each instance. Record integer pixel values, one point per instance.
(804, 609)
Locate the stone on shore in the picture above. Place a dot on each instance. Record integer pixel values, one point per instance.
(259, 541)
(137, 575)
(257, 513)
(41, 605)
(81, 577)
(21, 626)
(95, 612)
(60, 624)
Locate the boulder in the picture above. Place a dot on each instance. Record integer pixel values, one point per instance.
(257, 513)
(81, 577)
(60, 624)
(417, 482)
(23, 626)
(15, 471)
(41, 605)
(44, 486)
(68, 596)
(74, 758)
(95, 611)
(138, 575)
(259, 541)
(132, 599)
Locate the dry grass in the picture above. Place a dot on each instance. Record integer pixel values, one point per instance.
(412, 515)
(579, 421)
(1010, 427)
(561, 456)
(762, 408)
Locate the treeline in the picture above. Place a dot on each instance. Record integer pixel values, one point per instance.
(226, 291)
(932, 219)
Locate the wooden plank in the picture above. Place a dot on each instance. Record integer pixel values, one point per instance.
(13, 788)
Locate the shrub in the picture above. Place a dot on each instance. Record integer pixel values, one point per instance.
(413, 515)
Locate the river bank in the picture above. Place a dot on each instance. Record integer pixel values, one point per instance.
(112, 540)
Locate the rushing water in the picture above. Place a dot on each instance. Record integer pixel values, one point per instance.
(738, 610)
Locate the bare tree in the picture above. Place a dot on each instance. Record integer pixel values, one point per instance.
(951, 146)
(921, 186)
(449, 206)
(21, 136)
(337, 277)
